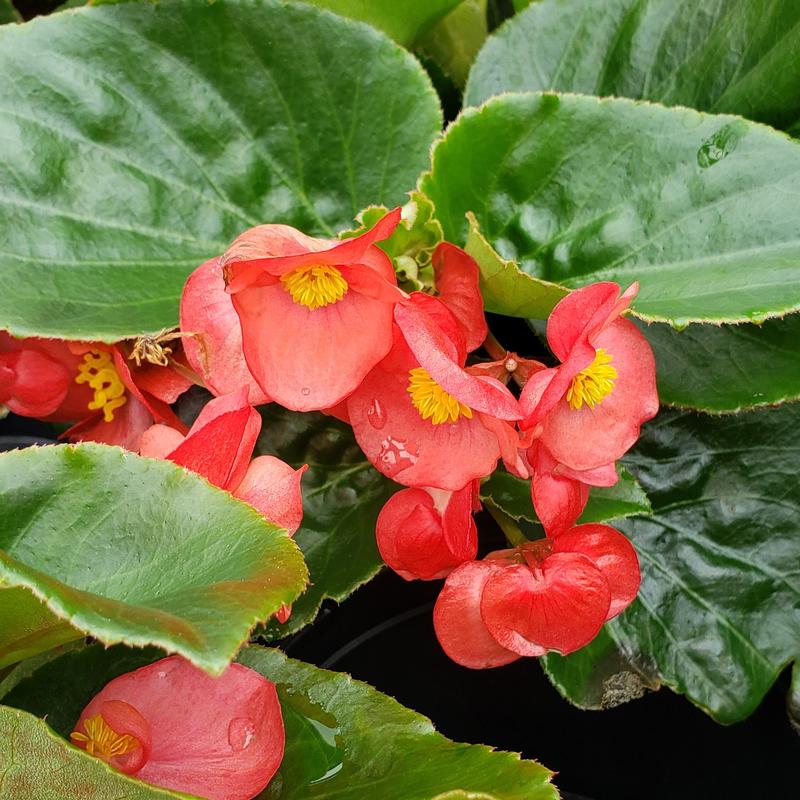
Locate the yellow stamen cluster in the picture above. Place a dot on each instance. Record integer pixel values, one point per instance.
(315, 285)
(433, 402)
(593, 384)
(102, 740)
(109, 391)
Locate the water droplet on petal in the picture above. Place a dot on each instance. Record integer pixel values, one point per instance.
(305, 391)
(376, 415)
(241, 732)
(395, 456)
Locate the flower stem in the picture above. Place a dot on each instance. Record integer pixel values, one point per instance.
(509, 527)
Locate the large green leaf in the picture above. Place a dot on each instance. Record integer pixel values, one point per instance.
(727, 368)
(139, 139)
(577, 189)
(404, 22)
(734, 56)
(512, 496)
(343, 738)
(718, 615)
(131, 549)
(35, 763)
(342, 495)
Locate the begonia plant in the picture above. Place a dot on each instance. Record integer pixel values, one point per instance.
(500, 297)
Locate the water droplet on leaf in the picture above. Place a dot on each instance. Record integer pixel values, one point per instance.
(721, 144)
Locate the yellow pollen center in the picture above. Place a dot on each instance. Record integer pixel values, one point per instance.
(433, 402)
(593, 384)
(102, 740)
(99, 372)
(315, 285)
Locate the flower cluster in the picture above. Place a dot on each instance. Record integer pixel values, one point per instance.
(322, 325)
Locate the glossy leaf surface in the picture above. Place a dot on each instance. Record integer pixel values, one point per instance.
(343, 738)
(717, 613)
(342, 496)
(727, 368)
(512, 495)
(132, 549)
(576, 189)
(724, 56)
(140, 139)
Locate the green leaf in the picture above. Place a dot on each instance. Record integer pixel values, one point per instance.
(793, 700)
(343, 738)
(598, 676)
(132, 151)
(505, 288)
(131, 549)
(717, 613)
(732, 56)
(455, 40)
(727, 368)
(36, 763)
(8, 13)
(577, 189)
(342, 496)
(404, 22)
(512, 496)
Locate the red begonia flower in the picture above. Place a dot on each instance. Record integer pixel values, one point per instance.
(419, 416)
(559, 494)
(588, 411)
(316, 315)
(426, 533)
(553, 594)
(127, 398)
(456, 281)
(91, 382)
(214, 346)
(219, 446)
(174, 726)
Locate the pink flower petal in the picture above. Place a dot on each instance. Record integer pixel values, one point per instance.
(158, 441)
(457, 619)
(215, 350)
(219, 738)
(272, 487)
(586, 438)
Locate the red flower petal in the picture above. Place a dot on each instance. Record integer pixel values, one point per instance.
(559, 606)
(215, 350)
(456, 277)
(586, 438)
(559, 500)
(309, 359)
(437, 353)
(411, 450)
(125, 430)
(158, 441)
(220, 738)
(32, 384)
(426, 534)
(272, 487)
(221, 441)
(245, 261)
(613, 555)
(457, 619)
